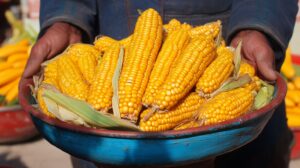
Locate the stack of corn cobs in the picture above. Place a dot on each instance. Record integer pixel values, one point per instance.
(162, 77)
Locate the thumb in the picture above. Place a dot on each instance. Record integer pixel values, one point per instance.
(264, 64)
(38, 54)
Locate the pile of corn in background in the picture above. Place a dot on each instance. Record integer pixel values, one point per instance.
(292, 99)
(172, 76)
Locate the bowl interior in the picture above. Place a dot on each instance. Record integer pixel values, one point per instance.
(26, 101)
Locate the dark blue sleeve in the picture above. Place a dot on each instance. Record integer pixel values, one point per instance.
(275, 18)
(81, 13)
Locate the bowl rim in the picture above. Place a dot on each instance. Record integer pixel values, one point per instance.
(280, 94)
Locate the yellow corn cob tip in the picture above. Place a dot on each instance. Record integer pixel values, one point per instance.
(138, 63)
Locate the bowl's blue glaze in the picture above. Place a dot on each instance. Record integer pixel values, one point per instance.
(124, 151)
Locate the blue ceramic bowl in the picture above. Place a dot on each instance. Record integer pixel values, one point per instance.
(161, 148)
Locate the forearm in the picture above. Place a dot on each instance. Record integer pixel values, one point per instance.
(275, 18)
(80, 13)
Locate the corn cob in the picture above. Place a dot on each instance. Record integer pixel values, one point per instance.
(217, 72)
(101, 91)
(42, 104)
(17, 57)
(12, 93)
(225, 106)
(291, 86)
(86, 57)
(185, 73)
(246, 68)
(9, 75)
(294, 96)
(19, 64)
(255, 84)
(289, 102)
(10, 49)
(138, 63)
(173, 25)
(297, 82)
(104, 42)
(211, 29)
(171, 49)
(126, 41)
(189, 124)
(5, 65)
(70, 80)
(5, 89)
(51, 73)
(168, 120)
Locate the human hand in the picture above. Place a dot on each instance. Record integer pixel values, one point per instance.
(56, 38)
(257, 51)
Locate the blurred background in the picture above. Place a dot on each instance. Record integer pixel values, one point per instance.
(20, 144)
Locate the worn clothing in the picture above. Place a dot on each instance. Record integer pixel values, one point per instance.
(116, 18)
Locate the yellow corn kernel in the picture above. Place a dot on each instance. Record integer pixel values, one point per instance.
(173, 25)
(185, 73)
(101, 91)
(217, 72)
(85, 56)
(51, 73)
(246, 68)
(168, 120)
(225, 106)
(187, 125)
(211, 29)
(138, 63)
(255, 84)
(103, 43)
(171, 49)
(126, 41)
(70, 80)
(42, 104)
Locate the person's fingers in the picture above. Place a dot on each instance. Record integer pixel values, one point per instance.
(264, 60)
(38, 53)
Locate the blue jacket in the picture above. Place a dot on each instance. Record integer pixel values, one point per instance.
(116, 18)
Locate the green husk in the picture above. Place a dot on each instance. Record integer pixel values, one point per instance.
(237, 59)
(232, 83)
(84, 111)
(115, 84)
(264, 95)
(219, 37)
